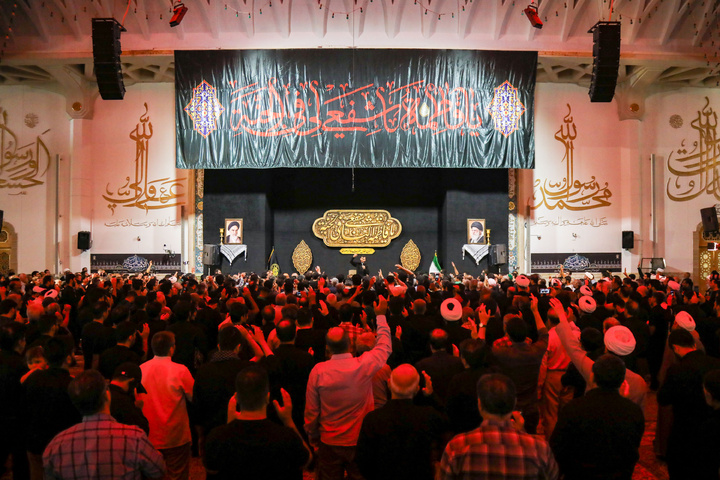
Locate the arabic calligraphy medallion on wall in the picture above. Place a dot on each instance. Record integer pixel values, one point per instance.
(570, 193)
(694, 171)
(506, 109)
(302, 257)
(361, 228)
(204, 109)
(141, 192)
(410, 256)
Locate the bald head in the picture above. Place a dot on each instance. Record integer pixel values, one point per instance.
(404, 381)
(419, 307)
(337, 341)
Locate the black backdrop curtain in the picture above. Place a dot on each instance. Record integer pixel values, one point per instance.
(355, 108)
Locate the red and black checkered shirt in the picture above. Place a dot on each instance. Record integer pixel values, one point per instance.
(100, 448)
(496, 450)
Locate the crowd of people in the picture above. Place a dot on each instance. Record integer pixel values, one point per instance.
(358, 376)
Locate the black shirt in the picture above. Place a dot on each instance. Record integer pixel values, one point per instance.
(254, 449)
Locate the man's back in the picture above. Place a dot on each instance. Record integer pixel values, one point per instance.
(101, 448)
(397, 440)
(168, 384)
(260, 449)
(496, 450)
(597, 436)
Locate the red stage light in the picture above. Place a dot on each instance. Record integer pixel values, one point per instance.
(178, 13)
(531, 12)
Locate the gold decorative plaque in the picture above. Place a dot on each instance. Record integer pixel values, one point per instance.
(359, 228)
(410, 256)
(302, 257)
(359, 251)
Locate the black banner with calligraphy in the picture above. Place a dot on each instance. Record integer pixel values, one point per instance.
(575, 262)
(355, 108)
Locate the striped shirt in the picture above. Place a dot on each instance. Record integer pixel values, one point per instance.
(496, 450)
(100, 448)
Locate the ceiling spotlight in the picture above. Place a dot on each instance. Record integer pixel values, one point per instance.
(179, 12)
(531, 12)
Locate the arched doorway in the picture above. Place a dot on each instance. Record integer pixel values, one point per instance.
(8, 249)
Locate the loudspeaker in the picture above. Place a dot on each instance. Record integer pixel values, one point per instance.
(606, 60)
(498, 254)
(106, 57)
(709, 219)
(1, 219)
(628, 240)
(211, 255)
(83, 240)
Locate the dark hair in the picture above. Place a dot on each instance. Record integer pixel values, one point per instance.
(87, 392)
(516, 329)
(137, 284)
(229, 338)
(591, 339)
(609, 371)
(124, 330)
(304, 318)
(183, 310)
(162, 342)
(55, 352)
(99, 309)
(252, 387)
(7, 305)
(681, 338)
(285, 330)
(473, 351)
(10, 335)
(439, 339)
(496, 393)
(346, 312)
(289, 311)
(237, 311)
(45, 323)
(396, 305)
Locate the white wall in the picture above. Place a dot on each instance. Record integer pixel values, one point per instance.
(31, 118)
(581, 220)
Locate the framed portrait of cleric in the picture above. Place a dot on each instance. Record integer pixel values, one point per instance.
(234, 230)
(476, 230)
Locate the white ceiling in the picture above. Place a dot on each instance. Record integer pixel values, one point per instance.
(670, 42)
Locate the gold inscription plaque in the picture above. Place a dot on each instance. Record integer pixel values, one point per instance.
(358, 251)
(358, 228)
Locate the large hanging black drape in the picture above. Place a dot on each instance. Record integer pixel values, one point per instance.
(355, 108)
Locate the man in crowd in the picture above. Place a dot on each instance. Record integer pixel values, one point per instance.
(401, 440)
(597, 436)
(99, 447)
(251, 444)
(170, 387)
(499, 448)
(339, 395)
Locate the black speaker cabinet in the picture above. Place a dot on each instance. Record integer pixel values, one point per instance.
(709, 219)
(211, 254)
(606, 60)
(106, 57)
(628, 239)
(83, 240)
(498, 254)
(1, 219)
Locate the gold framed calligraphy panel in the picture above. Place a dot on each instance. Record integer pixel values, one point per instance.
(359, 228)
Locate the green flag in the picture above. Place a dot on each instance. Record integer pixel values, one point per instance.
(435, 265)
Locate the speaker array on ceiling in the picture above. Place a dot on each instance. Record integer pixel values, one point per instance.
(106, 57)
(606, 60)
